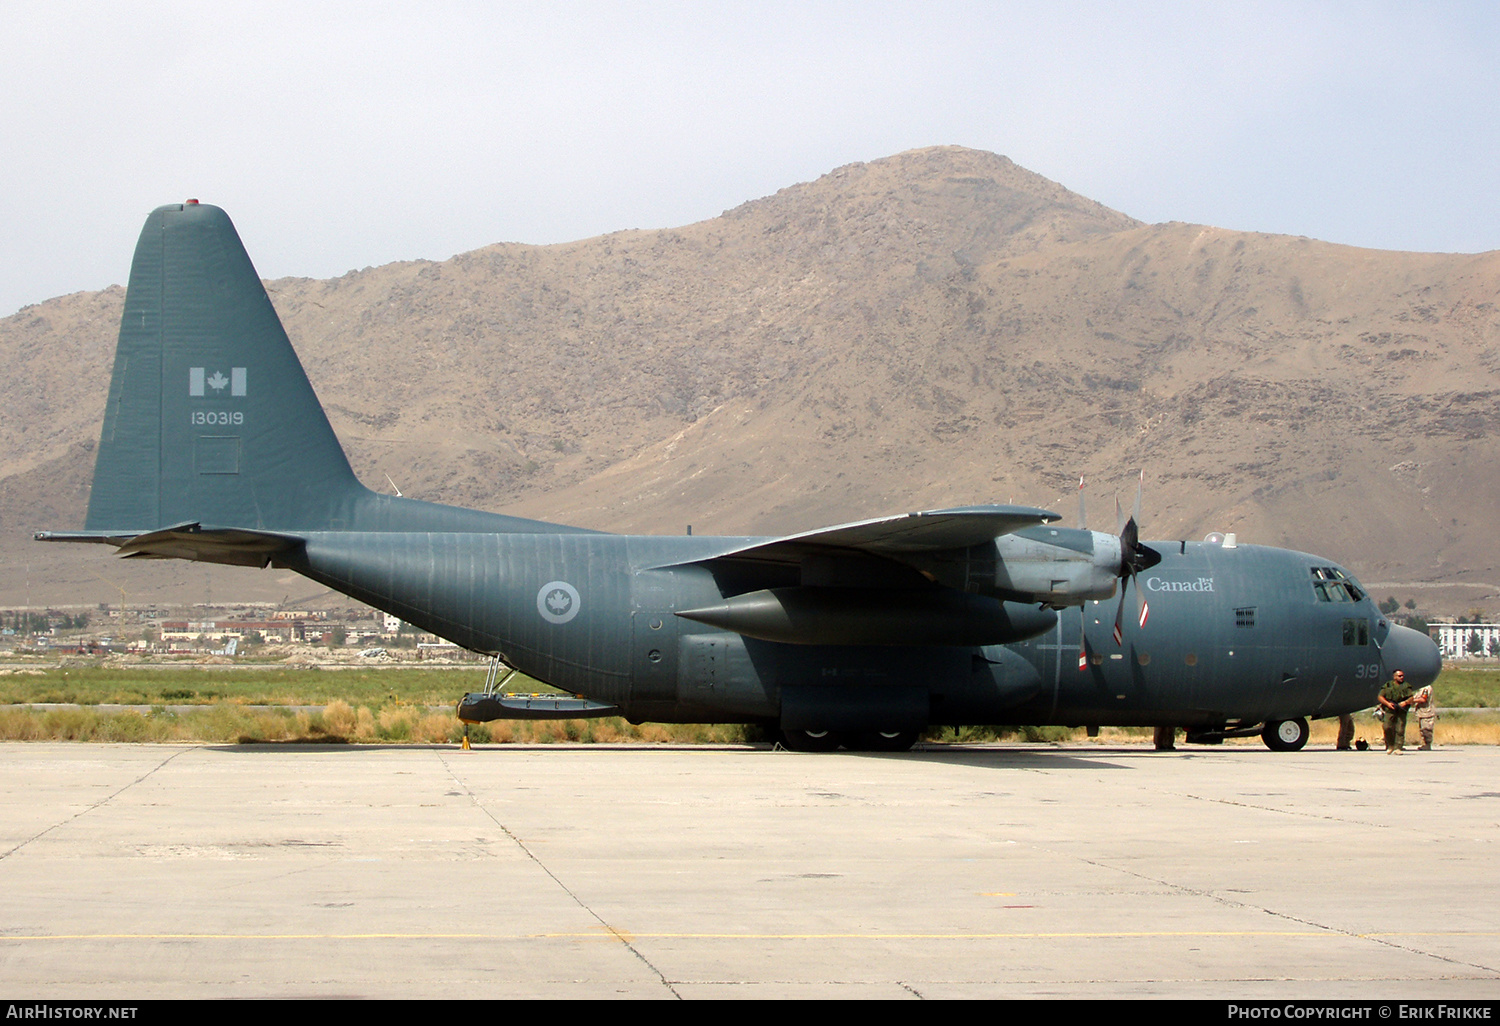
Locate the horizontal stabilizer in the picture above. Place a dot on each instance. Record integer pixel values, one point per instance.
(233, 546)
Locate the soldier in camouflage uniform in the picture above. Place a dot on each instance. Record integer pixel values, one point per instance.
(1346, 732)
(1426, 716)
(1396, 697)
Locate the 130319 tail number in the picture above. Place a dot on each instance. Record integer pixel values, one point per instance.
(217, 418)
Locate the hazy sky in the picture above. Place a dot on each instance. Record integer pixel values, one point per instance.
(344, 135)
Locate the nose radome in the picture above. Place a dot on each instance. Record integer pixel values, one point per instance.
(1414, 652)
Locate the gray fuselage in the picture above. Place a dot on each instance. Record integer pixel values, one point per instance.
(1235, 635)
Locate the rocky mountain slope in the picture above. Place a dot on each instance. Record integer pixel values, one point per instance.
(939, 327)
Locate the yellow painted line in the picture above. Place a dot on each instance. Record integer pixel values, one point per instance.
(1127, 935)
(632, 936)
(257, 936)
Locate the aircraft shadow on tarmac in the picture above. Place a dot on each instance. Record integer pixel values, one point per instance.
(1008, 757)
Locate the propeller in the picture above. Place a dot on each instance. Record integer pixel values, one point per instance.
(1134, 557)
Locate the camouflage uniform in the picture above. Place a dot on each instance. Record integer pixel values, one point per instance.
(1346, 732)
(1426, 716)
(1399, 694)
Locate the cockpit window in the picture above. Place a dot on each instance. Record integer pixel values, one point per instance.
(1330, 584)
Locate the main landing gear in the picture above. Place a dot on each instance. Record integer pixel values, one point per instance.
(863, 741)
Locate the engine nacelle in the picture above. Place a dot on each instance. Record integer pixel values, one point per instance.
(874, 616)
(1051, 566)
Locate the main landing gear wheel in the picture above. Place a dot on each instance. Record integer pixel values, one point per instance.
(811, 740)
(1285, 735)
(883, 741)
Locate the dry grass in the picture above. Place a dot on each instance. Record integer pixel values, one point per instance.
(339, 722)
(1452, 729)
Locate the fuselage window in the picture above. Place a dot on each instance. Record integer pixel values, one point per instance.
(1357, 632)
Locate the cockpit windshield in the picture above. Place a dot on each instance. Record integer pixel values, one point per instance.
(1330, 584)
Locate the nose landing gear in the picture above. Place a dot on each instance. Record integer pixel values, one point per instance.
(1285, 735)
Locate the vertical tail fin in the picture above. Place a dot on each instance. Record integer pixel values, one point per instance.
(211, 418)
(212, 425)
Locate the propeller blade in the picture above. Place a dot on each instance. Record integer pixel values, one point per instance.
(1083, 640)
(1083, 523)
(1143, 610)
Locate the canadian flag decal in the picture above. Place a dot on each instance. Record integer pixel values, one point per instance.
(201, 383)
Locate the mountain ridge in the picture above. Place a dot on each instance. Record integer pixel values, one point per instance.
(940, 327)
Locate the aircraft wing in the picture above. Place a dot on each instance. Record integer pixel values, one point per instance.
(931, 531)
(233, 546)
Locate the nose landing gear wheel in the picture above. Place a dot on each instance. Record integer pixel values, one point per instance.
(1285, 735)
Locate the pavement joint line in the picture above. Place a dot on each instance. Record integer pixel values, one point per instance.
(618, 935)
(1258, 807)
(1381, 938)
(1316, 927)
(102, 801)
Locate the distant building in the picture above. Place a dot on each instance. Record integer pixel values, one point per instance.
(1466, 640)
(270, 630)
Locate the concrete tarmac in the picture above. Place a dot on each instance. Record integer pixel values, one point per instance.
(571, 871)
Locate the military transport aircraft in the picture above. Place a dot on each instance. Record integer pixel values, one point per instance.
(215, 448)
